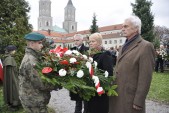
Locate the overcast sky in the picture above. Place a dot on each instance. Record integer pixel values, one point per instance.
(108, 12)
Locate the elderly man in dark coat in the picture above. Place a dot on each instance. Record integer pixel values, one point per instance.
(133, 70)
(11, 83)
(79, 46)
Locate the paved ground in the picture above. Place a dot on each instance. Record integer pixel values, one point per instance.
(61, 102)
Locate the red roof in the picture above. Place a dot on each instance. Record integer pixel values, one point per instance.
(51, 34)
(110, 28)
(62, 35)
(113, 35)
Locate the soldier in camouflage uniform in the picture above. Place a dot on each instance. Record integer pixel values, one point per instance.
(34, 94)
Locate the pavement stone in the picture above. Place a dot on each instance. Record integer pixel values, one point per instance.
(60, 101)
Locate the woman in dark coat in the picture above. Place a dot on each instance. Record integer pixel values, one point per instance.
(99, 104)
(10, 83)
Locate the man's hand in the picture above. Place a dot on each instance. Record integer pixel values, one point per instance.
(137, 107)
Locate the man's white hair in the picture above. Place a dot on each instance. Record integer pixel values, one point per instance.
(79, 36)
(135, 20)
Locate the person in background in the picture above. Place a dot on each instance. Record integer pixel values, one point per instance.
(133, 71)
(79, 46)
(48, 44)
(34, 94)
(160, 55)
(113, 54)
(167, 51)
(117, 50)
(99, 104)
(78, 42)
(10, 82)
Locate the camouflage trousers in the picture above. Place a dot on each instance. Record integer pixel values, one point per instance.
(40, 109)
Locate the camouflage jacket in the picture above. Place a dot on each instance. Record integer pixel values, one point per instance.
(32, 91)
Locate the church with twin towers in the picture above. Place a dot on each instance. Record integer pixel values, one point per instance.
(64, 36)
(45, 20)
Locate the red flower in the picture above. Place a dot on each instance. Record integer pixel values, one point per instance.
(59, 50)
(46, 70)
(64, 62)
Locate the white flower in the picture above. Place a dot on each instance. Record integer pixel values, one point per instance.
(95, 78)
(80, 74)
(99, 89)
(62, 72)
(106, 74)
(84, 56)
(76, 52)
(68, 52)
(95, 64)
(88, 64)
(72, 60)
(90, 59)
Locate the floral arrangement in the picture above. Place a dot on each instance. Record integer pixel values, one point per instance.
(76, 72)
(163, 54)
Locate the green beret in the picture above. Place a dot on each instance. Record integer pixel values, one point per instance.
(34, 36)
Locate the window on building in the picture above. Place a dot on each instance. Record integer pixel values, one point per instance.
(121, 41)
(72, 27)
(47, 23)
(105, 42)
(115, 41)
(110, 42)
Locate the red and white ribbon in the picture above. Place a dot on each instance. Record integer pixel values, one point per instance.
(1, 71)
(99, 89)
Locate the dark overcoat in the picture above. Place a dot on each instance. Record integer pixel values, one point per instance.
(134, 73)
(11, 82)
(82, 49)
(100, 104)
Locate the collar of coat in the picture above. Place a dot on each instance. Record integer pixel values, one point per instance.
(36, 54)
(130, 47)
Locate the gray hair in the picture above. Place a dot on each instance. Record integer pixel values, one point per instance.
(79, 36)
(135, 20)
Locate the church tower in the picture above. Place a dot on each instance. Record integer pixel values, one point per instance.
(44, 19)
(69, 24)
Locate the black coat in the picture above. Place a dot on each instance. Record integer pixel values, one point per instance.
(82, 50)
(100, 104)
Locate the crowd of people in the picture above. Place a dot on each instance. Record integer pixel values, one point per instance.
(132, 64)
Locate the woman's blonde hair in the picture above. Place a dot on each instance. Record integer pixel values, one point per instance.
(96, 36)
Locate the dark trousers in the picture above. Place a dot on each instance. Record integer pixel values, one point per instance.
(78, 107)
(159, 62)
